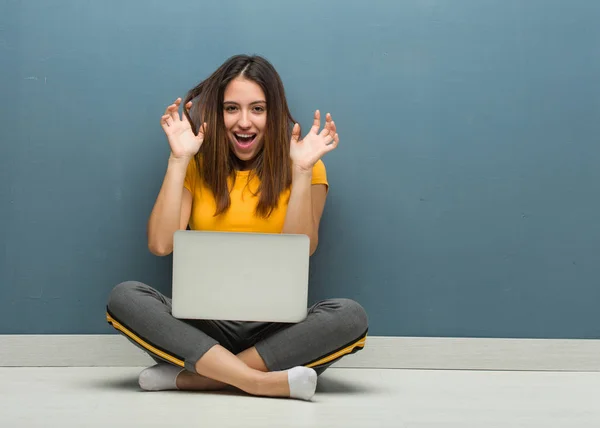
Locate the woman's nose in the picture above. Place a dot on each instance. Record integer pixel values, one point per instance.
(245, 120)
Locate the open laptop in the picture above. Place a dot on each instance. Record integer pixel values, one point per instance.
(240, 276)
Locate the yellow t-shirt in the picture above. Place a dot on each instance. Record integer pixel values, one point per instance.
(240, 216)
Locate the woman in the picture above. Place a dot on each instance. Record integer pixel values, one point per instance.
(235, 166)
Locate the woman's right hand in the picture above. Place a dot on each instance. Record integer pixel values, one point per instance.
(184, 144)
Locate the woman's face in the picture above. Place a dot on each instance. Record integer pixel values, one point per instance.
(245, 115)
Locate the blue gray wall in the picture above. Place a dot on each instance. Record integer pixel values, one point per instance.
(465, 193)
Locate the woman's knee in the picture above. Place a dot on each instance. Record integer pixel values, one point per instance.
(122, 295)
(356, 315)
(349, 315)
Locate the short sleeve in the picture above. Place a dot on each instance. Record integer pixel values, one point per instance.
(190, 176)
(319, 174)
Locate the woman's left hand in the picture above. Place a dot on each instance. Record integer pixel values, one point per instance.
(306, 152)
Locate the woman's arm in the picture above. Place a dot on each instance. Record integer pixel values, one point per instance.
(173, 205)
(305, 207)
(307, 200)
(171, 210)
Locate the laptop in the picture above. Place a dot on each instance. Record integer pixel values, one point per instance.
(240, 276)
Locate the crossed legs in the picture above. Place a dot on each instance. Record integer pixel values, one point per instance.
(279, 362)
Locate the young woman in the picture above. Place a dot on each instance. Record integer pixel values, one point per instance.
(236, 164)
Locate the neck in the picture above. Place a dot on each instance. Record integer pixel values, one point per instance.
(244, 165)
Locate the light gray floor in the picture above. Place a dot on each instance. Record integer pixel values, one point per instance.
(110, 397)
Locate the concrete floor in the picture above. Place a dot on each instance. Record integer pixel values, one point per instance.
(110, 397)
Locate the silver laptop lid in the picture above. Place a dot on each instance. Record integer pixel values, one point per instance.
(240, 276)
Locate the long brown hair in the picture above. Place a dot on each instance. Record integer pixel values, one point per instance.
(215, 161)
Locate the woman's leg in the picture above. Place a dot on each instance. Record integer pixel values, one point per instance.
(333, 328)
(143, 315)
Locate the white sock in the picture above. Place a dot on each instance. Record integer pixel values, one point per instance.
(303, 382)
(160, 377)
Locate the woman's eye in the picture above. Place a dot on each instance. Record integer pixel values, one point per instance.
(230, 109)
(259, 109)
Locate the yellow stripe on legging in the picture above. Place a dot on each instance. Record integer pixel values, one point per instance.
(142, 343)
(359, 344)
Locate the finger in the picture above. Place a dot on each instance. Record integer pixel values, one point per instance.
(325, 132)
(336, 139)
(316, 122)
(166, 121)
(201, 133)
(331, 131)
(184, 118)
(332, 128)
(328, 122)
(174, 112)
(334, 143)
(202, 129)
(174, 109)
(295, 133)
(333, 137)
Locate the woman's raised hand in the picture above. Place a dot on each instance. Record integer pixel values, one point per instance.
(184, 143)
(306, 152)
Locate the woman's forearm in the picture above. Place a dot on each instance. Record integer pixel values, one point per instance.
(299, 218)
(166, 213)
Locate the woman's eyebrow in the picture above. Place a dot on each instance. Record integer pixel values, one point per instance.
(252, 103)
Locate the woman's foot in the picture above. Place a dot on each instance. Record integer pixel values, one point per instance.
(164, 377)
(160, 377)
(302, 382)
(298, 382)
